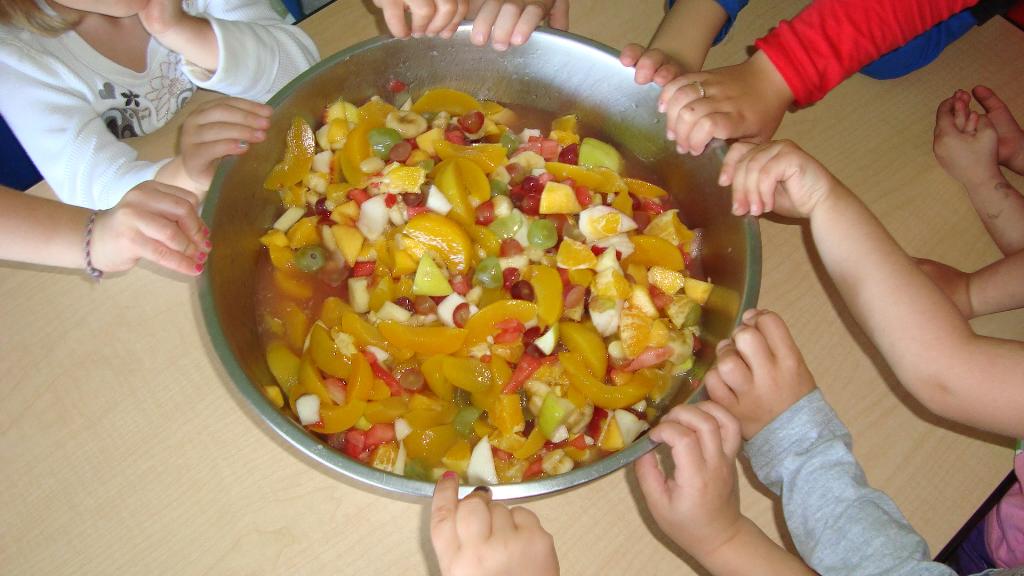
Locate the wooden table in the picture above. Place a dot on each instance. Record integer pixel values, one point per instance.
(124, 452)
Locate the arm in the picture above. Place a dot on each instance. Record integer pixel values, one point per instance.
(996, 287)
(153, 221)
(681, 43)
(923, 336)
(832, 39)
(836, 519)
(62, 133)
(250, 36)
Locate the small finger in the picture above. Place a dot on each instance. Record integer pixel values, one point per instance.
(652, 481)
(717, 390)
(422, 12)
(729, 426)
(631, 54)
(647, 66)
(506, 21)
(460, 15)
(394, 18)
(162, 255)
(442, 516)
(736, 152)
(484, 21)
(531, 17)
(734, 371)
(501, 520)
(666, 73)
(525, 518)
(444, 13)
(684, 445)
(473, 518)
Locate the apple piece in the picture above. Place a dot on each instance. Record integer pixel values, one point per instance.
(392, 311)
(558, 198)
(683, 311)
(429, 280)
(548, 341)
(289, 218)
(610, 439)
(437, 202)
(359, 294)
(481, 464)
(599, 222)
(618, 243)
(604, 313)
(307, 407)
(597, 154)
(373, 218)
(553, 414)
(642, 301)
(399, 467)
(629, 426)
(402, 429)
(322, 162)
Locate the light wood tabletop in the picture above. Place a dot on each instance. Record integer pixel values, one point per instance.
(125, 451)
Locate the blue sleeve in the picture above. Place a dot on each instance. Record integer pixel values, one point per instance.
(732, 9)
(920, 51)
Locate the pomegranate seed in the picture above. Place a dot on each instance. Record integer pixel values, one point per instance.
(412, 142)
(325, 220)
(437, 299)
(412, 379)
(509, 277)
(583, 196)
(390, 200)
(516, 193)
(530, 335)
(697, 344)
(485, 213)
(455, 137)
(575, 296)
(532, 185)
(544, 179)
(413, 199)
(534, 139)
(405, 302)
(472, 122)
(460, 284)
(570, 154)
(336, 440)
(396, 86)
(510, 247)
(528, 427)
(522, 290)
(359, 195)
(549, 150)
(363, 268)
(461, 315)
(500, 454)
(400, 152)
(530, 205)
(415, 211)
(424, 305)
(598, 250)
(506, 337)
(651, 206)
(320, 208)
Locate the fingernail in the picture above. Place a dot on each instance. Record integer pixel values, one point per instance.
(518, 39)
(243, 144)
(483, 489)
(736, 209)
(206, 232)
(201, 257)
(721, 180)
(207, 244)
(199, 267)
(722, 344)
(260, 134)
(750, 313)
(449, 475)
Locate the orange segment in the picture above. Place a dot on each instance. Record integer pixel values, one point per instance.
(547, 285)
(481, 324)
(573, 255)
(644, 189)
(298, 157)
(423, 339)
(447, 100)
(442, 234)
(654, 251)
(486, 156)
(458, 179)
(583, 339)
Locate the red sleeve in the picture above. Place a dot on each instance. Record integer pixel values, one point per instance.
(830, 40)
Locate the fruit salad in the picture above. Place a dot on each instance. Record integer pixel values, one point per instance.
(448, 290)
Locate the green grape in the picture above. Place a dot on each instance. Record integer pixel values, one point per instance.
(542, 234)
(310, 258)
(510, 141)
(381, 141)
(427, 165)
(499, 188)
(506, 226)
(488, 273)
(464, 419)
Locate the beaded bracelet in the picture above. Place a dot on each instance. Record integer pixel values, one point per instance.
(94, 272)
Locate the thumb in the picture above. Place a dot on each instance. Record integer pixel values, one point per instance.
(652, 482)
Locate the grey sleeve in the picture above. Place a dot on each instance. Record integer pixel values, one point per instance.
(839, 523)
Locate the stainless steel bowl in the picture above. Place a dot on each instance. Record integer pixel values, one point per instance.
(555, 72)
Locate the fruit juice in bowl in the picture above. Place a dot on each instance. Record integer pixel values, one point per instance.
(449, 283)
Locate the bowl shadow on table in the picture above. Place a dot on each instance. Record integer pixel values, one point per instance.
(874, 355)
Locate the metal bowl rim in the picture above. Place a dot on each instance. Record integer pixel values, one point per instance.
(338, 463)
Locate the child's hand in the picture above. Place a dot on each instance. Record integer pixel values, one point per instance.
(652, 65)
(1011, 136)
(965, 142)
(429, 17)
(954, 283)
(512, 21)
(220, 128)
(743, 101)
(777, 176)
(154, 221)
(759, 372)
(699, 506)
(483, 538)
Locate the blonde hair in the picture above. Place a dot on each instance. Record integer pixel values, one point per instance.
(28, 15)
